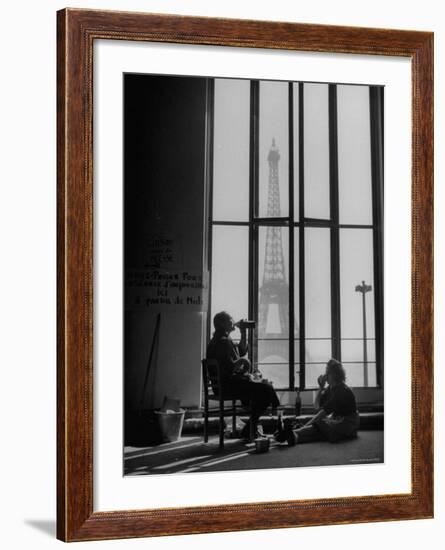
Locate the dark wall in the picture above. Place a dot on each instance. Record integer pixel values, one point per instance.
(164, 158)
(164, 190)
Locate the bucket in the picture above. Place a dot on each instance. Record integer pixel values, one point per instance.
(170, 424)
(262, 444)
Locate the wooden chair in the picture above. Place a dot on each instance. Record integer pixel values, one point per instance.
(213, 391)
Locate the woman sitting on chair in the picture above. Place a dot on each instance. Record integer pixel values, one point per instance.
(237, 379)
(337, 417)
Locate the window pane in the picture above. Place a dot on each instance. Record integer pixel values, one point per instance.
(318, 282)
(312, 374)
(274, 150)
(356, 266)
(316, 151)
(273, 351)
(231, 150)
(352, 350)
(230, 271)
(318, 350)
(297, 351)
(354, 155)
(296, 151)
(273, 273)
(355, 374)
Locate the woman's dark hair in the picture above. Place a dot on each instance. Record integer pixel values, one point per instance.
(220, 320)
(336, 369)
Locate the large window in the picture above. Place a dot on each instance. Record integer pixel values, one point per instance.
(295, 225)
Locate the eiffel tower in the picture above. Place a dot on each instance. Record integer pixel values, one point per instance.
(274, 291)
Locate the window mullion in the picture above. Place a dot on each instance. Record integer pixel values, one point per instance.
(301, 263)
(335, 237)
(210, 131)
(253, 210)
(291, 242)
(376, 128)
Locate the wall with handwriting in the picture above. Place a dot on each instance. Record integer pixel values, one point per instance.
(163, 219)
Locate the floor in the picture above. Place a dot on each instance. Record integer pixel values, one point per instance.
(191, 454)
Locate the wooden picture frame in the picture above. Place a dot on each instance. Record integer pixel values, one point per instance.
(77, 31)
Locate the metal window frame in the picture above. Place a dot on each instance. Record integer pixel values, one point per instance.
(296, 183)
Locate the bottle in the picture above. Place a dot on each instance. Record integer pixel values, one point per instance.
(280, 422)
(245, 324)
(298, 404)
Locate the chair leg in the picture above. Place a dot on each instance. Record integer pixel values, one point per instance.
(206, 422)
(221, 424)
(233, 417)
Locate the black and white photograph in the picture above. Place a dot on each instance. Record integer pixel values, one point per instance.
(253, 274)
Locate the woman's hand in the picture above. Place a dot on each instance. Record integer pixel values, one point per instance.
(322, 380)
(242, 328)
(242, 365)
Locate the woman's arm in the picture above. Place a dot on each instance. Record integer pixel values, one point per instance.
(320, 414)
(242, 346)
(318, 398)
(321, 385)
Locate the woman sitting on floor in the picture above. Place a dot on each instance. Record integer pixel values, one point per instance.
(337, 417)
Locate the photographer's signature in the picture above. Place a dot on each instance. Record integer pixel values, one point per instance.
(376, 459)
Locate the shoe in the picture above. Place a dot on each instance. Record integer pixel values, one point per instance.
(280, 434)
(280, 437)
(287, 435)
(245, 432)
(290, 437)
